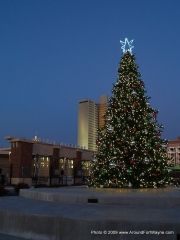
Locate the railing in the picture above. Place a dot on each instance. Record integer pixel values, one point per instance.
(57, 181)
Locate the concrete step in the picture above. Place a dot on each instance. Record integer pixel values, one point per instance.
(42, 220)
(154, 198)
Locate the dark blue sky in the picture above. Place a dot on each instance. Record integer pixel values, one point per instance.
(54, 53)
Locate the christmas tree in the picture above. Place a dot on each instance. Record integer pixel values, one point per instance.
(130, 149)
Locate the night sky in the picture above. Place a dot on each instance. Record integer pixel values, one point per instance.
(57, 52)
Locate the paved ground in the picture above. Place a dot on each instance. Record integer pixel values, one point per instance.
(89, 211)
(56, 220)
(9, 237)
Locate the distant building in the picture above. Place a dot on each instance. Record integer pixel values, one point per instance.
(91, 116)
(35, 162)
(173, 151)
(87, 124)
(102, 108)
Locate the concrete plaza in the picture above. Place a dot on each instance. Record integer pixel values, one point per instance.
(65, 214)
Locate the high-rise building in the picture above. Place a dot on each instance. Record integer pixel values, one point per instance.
(90, 118)
(102, 108)
(87, 124)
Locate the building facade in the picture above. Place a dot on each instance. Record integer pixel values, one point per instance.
(35, 162)
(173, 151)
(90, 118)
(102, 108)
(87, 124)
(5, 161)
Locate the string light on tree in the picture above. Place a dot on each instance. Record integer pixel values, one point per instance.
(130, 149)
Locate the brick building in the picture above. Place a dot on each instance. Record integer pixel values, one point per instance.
(173, 151)
(102, 108)
(36, 162)
(4, 161)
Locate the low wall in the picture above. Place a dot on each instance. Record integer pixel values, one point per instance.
(161, 199)
(127, 218)
(40, 227)
(21, 180)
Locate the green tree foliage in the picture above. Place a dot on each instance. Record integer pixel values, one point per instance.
(130, 149)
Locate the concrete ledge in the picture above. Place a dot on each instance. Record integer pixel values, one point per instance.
(21, 180)
(156, 198)
(40, 220)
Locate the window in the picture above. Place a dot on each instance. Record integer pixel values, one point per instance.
(86, 168)
(70, 163)
(62, 163)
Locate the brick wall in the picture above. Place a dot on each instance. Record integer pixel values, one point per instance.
(21, 159)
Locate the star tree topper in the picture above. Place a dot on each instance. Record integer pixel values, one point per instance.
(127, 45)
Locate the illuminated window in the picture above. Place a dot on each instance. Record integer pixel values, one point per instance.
(61, 160)
(86, 164)
(70, 163)
(62, 163)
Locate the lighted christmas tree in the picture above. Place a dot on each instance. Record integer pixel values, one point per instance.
(130, 149)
